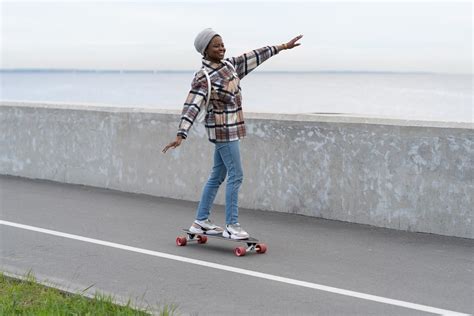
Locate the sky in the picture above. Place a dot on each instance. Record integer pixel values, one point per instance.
(400, 36)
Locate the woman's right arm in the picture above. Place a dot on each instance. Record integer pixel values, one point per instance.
(191, 108)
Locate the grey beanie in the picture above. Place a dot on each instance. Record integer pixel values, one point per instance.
(203, 39)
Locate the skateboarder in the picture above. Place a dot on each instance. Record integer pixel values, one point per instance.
(215, 90)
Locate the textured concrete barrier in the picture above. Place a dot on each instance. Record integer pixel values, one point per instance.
(407, 175)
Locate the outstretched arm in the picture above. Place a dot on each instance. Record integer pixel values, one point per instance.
(247, 62)
(291, 44)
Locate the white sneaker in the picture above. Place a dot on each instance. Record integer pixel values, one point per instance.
(205, 227)
(234, 231)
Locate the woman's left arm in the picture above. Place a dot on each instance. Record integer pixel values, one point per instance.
(245, 63)
(291, 44)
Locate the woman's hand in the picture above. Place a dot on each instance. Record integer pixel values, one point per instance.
(173, 144)
(293, 43)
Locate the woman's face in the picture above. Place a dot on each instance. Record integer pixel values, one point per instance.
(215, 50)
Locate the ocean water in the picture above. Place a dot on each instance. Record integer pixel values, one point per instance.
(439, 97)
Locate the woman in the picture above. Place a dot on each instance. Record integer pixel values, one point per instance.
(224, 123)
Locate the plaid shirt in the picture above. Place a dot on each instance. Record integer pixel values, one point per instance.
(224, 119)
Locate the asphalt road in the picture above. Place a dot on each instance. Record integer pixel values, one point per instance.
(124, 243)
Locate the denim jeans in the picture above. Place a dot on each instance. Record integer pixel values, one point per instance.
(226, 162)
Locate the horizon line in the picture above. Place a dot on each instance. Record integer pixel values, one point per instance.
(63, 70)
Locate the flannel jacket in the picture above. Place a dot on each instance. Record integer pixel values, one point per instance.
(224, 119)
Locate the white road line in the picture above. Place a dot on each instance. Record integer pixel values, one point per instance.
(369, 297)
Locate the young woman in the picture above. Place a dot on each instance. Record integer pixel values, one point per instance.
(224, 123)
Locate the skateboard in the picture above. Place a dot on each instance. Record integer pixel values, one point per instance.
(252, 243)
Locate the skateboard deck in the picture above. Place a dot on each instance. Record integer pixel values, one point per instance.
(248, 240)
(253, 244)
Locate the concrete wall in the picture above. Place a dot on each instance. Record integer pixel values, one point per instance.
(406, 175)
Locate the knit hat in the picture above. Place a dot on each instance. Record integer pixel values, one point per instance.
(203, 39)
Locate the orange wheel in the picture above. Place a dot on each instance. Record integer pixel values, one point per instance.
(181, 241)
(240, 251)
(202, 239)
(261, 248)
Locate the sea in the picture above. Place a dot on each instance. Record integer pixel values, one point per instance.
(410, 96)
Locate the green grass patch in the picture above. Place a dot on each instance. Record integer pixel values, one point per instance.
(28, 297)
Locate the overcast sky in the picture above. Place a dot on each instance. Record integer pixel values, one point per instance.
(158, 35)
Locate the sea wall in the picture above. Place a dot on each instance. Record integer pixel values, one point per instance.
(407, 175)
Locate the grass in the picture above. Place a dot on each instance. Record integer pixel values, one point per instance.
(27, 297)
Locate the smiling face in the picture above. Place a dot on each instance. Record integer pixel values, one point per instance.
(215, 50)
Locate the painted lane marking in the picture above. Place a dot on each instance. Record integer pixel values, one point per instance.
(369, 297)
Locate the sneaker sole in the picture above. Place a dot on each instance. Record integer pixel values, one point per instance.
(213, 232)
(195, 231)
(229, 235)
(205, 232)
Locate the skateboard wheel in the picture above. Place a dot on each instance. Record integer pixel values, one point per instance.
(181, 241)
(202, 239)
(240, 251)
(261, 248)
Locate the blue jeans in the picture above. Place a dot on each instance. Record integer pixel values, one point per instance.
(226, 162)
